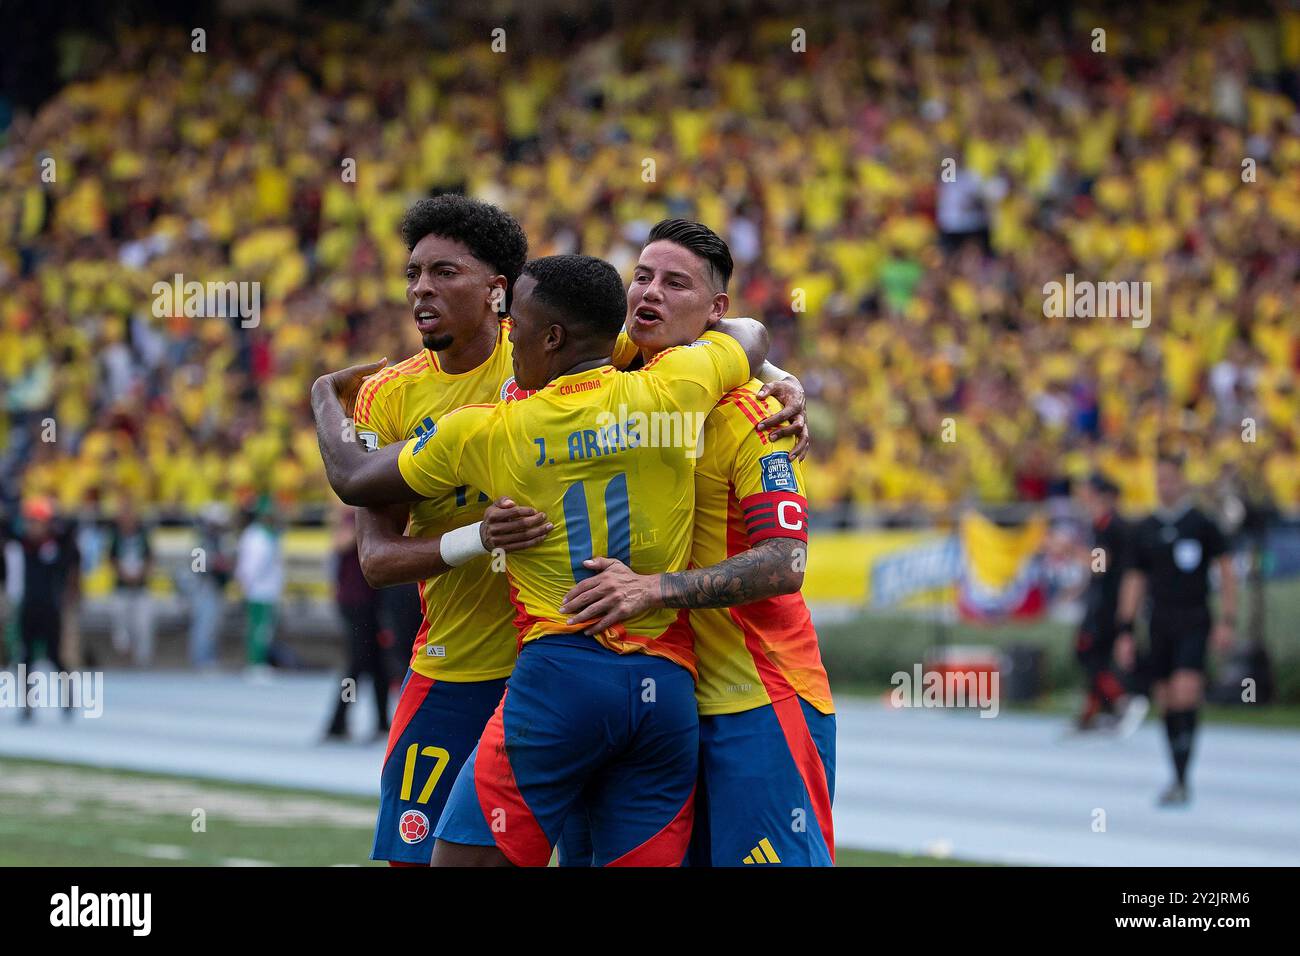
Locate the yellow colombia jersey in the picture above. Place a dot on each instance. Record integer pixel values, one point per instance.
(467, 633)
(610, 457)
(748, 489)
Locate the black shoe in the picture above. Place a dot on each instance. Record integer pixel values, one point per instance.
(1176, 796)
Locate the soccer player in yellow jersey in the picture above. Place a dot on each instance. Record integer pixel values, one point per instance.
(465, 257)
(610, 457)
(767, 722)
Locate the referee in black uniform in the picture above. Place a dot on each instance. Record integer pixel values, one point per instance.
(1172, 551)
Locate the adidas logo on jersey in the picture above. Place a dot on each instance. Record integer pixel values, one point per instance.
(763, 853)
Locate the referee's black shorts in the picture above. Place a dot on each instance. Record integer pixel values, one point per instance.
(1178, 641)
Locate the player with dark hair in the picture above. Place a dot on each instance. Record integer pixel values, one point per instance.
(767, 720)
(465, 258)
(612, 716)
(488, 233)
(1172, 553)
(1095, 641)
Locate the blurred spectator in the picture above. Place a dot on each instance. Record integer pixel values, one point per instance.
(131, 554)
(259, 569)
(39, 581)
(962, 209)
(208, 586)
(901, 295)
(11, 559)
(358, 603)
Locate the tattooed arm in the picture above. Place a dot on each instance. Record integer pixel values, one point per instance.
(772, 567)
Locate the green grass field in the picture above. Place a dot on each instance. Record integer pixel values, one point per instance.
(67, 815)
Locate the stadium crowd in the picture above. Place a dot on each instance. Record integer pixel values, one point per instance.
(896, 198)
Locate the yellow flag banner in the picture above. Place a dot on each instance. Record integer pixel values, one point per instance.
(881, 568)
(1001, 572)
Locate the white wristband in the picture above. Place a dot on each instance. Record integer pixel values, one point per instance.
(461, 545)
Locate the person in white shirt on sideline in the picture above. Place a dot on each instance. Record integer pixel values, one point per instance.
(259, 569)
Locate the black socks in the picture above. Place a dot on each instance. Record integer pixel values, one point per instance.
(1180, 725)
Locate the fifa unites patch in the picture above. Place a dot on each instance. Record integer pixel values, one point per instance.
(777, 472)
(413, 826)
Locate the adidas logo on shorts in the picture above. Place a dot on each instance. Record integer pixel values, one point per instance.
(763, 853)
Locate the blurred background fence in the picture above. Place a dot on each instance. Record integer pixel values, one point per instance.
(885, 595)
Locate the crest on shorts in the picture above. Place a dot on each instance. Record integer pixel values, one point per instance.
(413, 826)
(1187, 554)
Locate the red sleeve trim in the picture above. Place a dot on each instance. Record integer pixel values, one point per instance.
(775, 514)
(369, 389)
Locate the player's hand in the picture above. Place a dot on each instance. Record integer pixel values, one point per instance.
(346, 382)
(1125, 654)
(789, 392)
(512, 527)
(614, 594)
(1223, 636)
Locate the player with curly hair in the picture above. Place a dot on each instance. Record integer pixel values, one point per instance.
(465, 258)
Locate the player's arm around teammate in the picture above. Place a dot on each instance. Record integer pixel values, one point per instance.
(769, 569)
(389, 556)
(375, 478)
(372, 480)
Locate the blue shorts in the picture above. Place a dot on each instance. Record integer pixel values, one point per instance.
(574, 847)
(767, 779)
(580, 722)
(436, 727)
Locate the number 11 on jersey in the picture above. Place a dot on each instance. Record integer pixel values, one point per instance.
(577, 524)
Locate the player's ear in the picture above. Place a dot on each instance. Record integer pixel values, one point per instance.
(721, 303)
(496, 290)
(555, 337)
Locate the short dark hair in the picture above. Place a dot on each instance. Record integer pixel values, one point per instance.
(586, 291)
(491, 234)
(702, 241)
